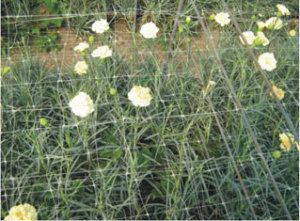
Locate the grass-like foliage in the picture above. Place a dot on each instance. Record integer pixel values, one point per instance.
(168, 160)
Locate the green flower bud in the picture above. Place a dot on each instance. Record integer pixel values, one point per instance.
(212, 17)
(83, 53)
(188, 20)
(258, 42)
(6, 70)
(44, 122)
(113, 91)
(91, 39)
(276, 154)
(180, 29)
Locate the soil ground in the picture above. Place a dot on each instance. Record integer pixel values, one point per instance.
(124, 41)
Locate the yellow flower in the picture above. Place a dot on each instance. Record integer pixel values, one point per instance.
(287, 140)
(21, 212)
(277, 92)
(283, 10)
(210, 85)
(274, 23)
(297, 145)
(261, 25)
(292, 33)
(140, 96)
(261, 39)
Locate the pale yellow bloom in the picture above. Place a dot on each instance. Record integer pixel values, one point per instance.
(81, 67)
(21, 212)
(274, 23)
(283, 10)
(149, 30)
(267, 61)
(261, 25)
(222, 18)
(140, 96)
(292, 33)
(102, 52)
(81, 105)
(298, 146)
(100, 26)
(261, 39)
(210, 85)
(249, 37)
(287, 140)
(277, 92)
(81, 46)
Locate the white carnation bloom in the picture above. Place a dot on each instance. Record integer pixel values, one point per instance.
(140, 96)
(149, 30)
(222, 18)
(261, 39)
(283, 10)
(267, 61)
(100, 26)
(102, 52)
(274, 23)
(81, 46)
(81, 67)
(249, 37)
(82, 104)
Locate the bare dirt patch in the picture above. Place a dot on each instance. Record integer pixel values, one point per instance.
(125, 43)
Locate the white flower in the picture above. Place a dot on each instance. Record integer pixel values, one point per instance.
(222, 18)
(283, 10)
(81, 105)
(267, 61)
(261, 39)
(100, 26)
(102, 52)
(149, 30)
(249, 37)
(261, 25)
(81, 67)
(81, 46)
(140, 96)
(274, 23)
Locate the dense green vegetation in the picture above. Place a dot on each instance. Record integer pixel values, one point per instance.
(164, 161)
